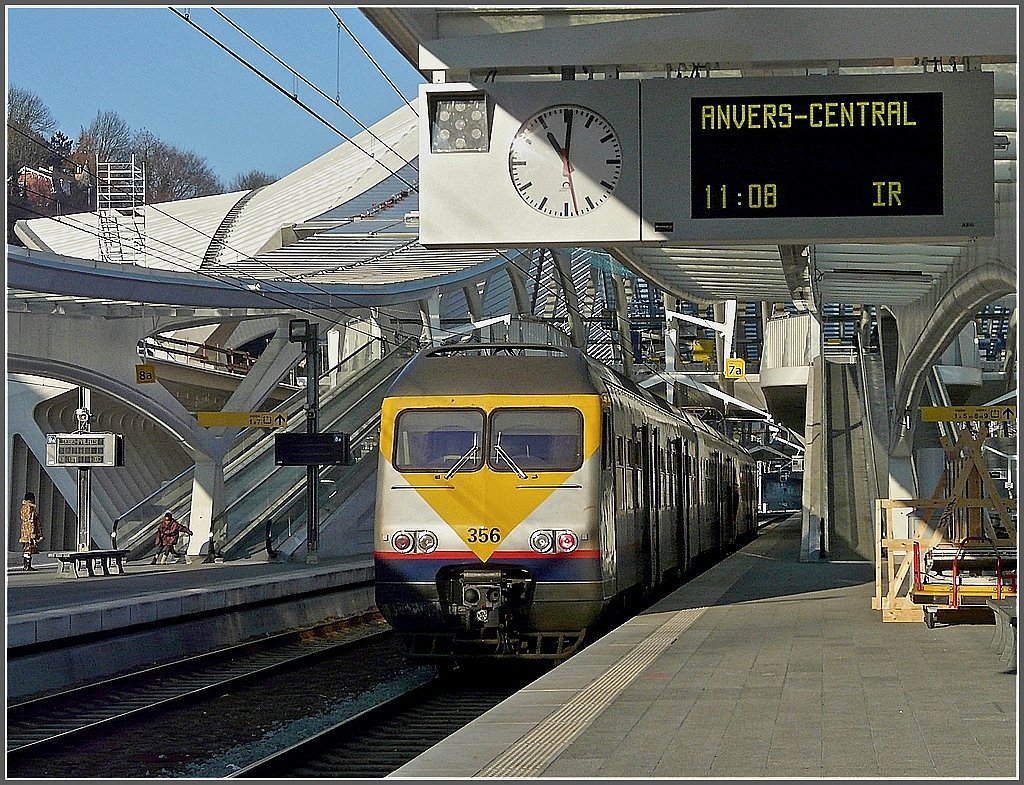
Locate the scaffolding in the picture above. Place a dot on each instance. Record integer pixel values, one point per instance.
(120, 199)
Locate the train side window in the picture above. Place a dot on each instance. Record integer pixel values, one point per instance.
(608, 441)
(432, 440)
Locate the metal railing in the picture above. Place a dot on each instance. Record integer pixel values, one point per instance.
(279, 493)
(175, 494)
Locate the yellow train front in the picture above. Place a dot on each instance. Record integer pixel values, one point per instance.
(524, 490)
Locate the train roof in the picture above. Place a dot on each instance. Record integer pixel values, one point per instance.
(484, 369)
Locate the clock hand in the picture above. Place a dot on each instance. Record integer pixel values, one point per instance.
(572, 188)
(568, 136)
(554, 143)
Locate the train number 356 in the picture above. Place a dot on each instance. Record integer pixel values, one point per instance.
(484, 534)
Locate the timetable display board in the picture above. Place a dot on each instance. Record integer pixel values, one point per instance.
(312, 449)
(881, 157)
(794, 156)
(84, 450)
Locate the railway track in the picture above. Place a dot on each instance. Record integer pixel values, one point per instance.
(379, 740)
(36, 726)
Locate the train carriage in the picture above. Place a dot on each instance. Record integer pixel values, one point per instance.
(524, 490)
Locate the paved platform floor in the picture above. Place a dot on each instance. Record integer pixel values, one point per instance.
(762, 666)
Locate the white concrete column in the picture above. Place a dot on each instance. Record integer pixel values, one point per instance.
(671, 334)
(563, 270)
(430, 315)
(207, 502)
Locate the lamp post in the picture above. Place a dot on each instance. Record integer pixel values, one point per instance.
(84, 417)
(305, 332)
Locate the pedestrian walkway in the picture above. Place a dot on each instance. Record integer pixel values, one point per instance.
(762, 666)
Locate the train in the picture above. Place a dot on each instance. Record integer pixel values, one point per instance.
(524, 492)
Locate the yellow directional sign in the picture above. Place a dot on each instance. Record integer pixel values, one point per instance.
(704, 351)
(145, 374)
(243, 419)
(735, 368)
(968, 413)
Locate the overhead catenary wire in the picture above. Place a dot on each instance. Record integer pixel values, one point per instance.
(310, 84)
(290, 96)
(370, 58)
(255, 70)
(185, 17)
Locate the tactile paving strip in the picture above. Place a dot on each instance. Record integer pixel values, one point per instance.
(529, 756)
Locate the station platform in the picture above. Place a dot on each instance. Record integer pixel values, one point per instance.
(44, 606)
(762, 666)
(63, 630)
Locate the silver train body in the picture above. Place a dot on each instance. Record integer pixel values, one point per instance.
(523, 492)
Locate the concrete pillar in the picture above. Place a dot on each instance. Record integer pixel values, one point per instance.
(430, 315)
(207, 504)
(902, 485)
(563, 270)
(622, 326)
(814, 463)
(671, 336)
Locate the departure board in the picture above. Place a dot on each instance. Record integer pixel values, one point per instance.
(818, 158)
(817, 155)
(84, 450)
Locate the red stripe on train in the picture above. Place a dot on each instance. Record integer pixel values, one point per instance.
(495, 555)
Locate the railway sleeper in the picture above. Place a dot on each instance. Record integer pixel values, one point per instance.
(547, 645)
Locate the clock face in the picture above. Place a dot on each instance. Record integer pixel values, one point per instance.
(565, 161)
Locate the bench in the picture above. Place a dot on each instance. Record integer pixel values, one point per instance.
(91, 563)
(1004, 641)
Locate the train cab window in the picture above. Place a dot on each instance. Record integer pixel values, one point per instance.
(545, 440)
(439, 440)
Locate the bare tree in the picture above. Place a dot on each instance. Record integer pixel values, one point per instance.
(254, 178)
(29, 124)
(172, 173)
(108, 137)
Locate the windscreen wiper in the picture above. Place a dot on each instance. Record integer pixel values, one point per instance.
(458, 464)
(508, 458)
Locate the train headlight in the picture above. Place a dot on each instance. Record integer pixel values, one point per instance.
(426, 542)
(403, 542)
(554, 541)
(470, 595)
(542, 541)
(567, 541)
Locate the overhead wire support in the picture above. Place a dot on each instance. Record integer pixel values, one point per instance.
(291, 97)
(296, 75)
(370, 58)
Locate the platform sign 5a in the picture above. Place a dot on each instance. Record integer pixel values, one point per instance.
(969, 413)
(735, 368)
(242, 419)
(145, 374)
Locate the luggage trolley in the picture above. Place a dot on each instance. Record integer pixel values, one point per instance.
(969, 573)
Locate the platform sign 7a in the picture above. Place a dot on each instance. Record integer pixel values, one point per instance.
(735, 368)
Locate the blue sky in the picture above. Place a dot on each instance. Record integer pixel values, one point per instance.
(158, 72)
